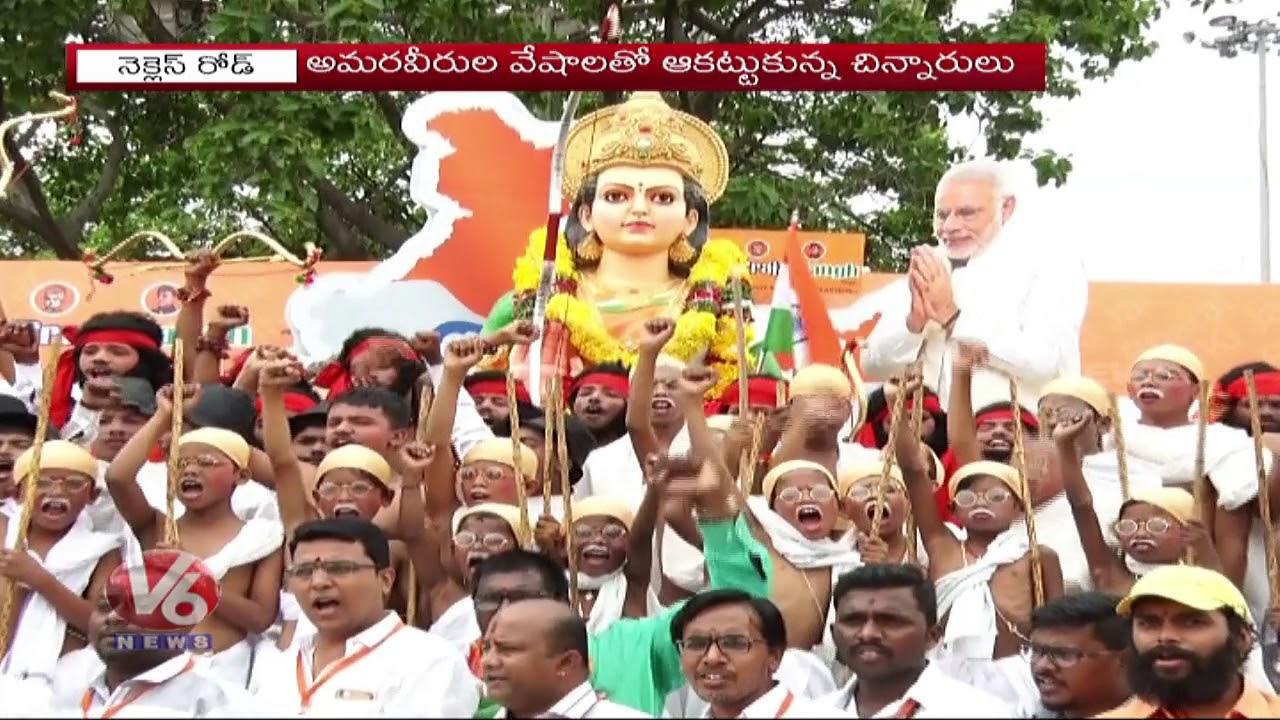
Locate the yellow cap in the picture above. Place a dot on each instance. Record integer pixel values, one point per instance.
(57, 455)
(1196, 587)
(228, 443)
(1177, 502)
(822, 381)
(1004, 473)
(1177, 355)
(604, 506)
(771, 479)
(852, 474)
(1081, 388)
(356, 457)
(507, 513)
(498, 450)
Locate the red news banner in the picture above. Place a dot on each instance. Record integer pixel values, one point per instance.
(670, 67)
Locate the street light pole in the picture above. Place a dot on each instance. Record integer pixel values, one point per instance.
(1258, 38)
(1264, 172)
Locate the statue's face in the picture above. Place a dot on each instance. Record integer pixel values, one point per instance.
(639, 210)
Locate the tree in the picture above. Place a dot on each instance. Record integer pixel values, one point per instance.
(332, 168)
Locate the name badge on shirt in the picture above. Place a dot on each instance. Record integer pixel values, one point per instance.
(354, 695)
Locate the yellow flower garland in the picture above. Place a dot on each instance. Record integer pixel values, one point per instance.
(696, 330)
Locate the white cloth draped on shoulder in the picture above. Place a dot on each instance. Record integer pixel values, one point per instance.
(1232, 469)
(965, 599)
(458, 625)
(37, 640)
(611, 598)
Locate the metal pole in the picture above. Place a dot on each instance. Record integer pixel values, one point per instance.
(1264, 215)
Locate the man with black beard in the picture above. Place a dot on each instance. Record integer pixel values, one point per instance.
(1191, 633)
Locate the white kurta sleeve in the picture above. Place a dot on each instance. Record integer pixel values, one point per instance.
(468, 427)
(891, 347)
(26, 384)
(1039, 338)
(440, 686)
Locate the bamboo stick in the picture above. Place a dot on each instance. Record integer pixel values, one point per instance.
(1020, 465)
(1122, 455)
(175, 458)
(524, 533)
(12, 589)
(1264, 487)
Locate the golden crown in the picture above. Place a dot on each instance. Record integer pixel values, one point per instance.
(645, 131)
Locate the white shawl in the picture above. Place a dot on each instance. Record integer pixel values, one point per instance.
(40, 629)
(1229, 462)
(964, 595)
(258, 538)
(458, 625)
(800, 551)
(611, 598)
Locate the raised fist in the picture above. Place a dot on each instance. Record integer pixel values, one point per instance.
(658, 332)
(230, 317)
(696, 380)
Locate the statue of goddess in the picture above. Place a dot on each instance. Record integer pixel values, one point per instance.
(641, 177)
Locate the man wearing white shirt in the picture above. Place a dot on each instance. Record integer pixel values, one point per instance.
(1024, 299)
(536, 664)
(886, 621)
(124, 682)
(362, 661)
(731, 645)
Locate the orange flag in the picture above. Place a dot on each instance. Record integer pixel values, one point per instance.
(824, 344)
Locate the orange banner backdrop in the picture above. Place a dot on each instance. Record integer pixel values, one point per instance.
(1225, 324)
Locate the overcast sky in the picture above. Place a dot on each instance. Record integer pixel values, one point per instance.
(1166, 180)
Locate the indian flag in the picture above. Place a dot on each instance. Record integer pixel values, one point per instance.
(780, 330)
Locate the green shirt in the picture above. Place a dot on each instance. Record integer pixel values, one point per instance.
(734, 559)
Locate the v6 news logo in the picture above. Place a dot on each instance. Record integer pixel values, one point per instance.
(170, 590)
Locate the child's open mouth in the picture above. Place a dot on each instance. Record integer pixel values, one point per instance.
(809, 517)
(55, 507)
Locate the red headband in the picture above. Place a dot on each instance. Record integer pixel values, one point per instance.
(612, 381)
(294, 402)
(760, 391)
(932, 405)
(1028, 419)
(1266, 383)
(68, 364)
(336, 376)
(494, 386)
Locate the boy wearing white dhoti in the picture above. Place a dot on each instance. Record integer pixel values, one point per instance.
(1084, 399)
(1164, 385)
(64, 564)
(245, 556)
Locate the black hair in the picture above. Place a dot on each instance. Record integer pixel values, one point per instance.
(772, 625)
(886, 576)
(878, 405)
(1095, 610)
(394, 406)
(153, 365)
(551, 576)
(618, 426)
(579, 440)
(353, 530)
(569, 634)
(407, 370)
(695, 198)
(1229, 404)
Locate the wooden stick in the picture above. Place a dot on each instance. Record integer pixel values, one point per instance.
(424, 411)
(548, 441)
(890, 452)
(524, 533)
(1264, 487)
(750, 457)
(12, 589)
(175, 459)
(740, 325)
(1122, 456)
(917, 422)
(566, 490)
(1020, 465)
(1199, 481)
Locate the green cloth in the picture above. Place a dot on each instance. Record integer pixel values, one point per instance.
(734, 559)
(503, 313)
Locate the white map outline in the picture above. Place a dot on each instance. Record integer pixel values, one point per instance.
(443, 212)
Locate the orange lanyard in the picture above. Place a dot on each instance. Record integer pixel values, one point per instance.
(786, 705)
(908, 710)
(307, 692)
(111, 711)
(475, 658)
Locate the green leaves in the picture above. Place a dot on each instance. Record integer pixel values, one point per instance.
(200, 165)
